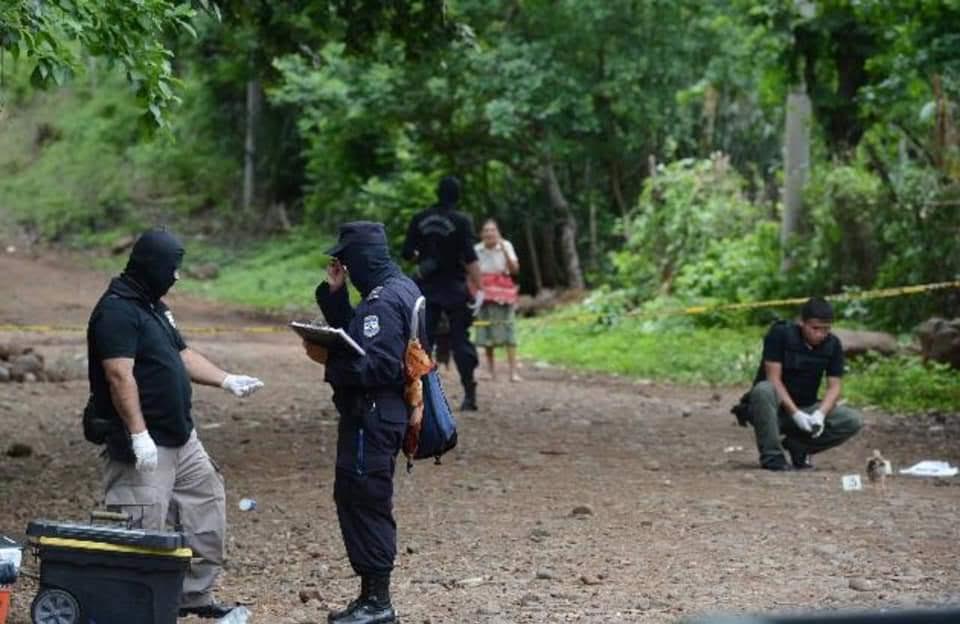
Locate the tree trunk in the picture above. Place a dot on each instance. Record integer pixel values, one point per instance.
(250, 144)
(534, 260)
(568, 235)
(797, 170)
(616, 186)
(594, 259)
(548, 259)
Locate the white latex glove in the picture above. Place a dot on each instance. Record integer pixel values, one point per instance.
(803, 420)
(145, 451)
(477, 303)
(241, 385)
(816, 423)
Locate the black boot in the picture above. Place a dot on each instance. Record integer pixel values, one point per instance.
(375, 607)
(469, 396)
(334, 616)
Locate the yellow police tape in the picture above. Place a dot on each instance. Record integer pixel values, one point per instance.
(880, 293)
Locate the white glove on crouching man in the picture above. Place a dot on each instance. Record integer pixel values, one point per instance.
(811, 423)
(145, 449)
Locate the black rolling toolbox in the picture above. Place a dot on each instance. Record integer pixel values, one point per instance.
(92, 574)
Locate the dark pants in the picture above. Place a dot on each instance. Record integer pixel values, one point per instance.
(464, 353)
(771, 422)
(367, 447)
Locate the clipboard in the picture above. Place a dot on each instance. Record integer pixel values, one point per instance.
(326, 336)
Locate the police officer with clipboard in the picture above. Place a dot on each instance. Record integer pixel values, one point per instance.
(368, 394)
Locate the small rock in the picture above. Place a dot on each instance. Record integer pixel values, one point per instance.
(413, 548)
(545, 575)
(827, 550)
(306, 595)
(590, 580)
(653, 466)
(646, 523)
(686, 413)
(205, 271)
(582, 510)
(474, 581)
(861, 585)
(488, 609)
(9, 350)
(122, 244)
(29, 378)
(18, 450)
(25, 364)
(4, 374)
(538, 535)
(529, 599)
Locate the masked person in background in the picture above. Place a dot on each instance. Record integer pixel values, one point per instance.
(140, 372)
(368, 393)
(783, 401)
(440, 239)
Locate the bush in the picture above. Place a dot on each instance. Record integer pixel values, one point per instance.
(902, 384)
(736, 270)
(686, 206)
(842, 249)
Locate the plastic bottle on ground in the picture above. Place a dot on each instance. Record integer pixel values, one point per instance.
(239, 615)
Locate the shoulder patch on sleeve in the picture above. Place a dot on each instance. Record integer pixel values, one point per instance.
(375, 293)
(371, 325)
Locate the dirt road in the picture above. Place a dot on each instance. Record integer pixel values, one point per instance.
(673, 518)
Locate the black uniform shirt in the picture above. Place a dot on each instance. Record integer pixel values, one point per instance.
(380, 324)
(124, 324)
(802, 366)
(443, 240)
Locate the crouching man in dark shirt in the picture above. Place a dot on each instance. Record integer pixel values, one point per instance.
(783, 401)
(140, 373)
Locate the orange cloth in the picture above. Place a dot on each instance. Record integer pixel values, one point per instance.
(4, 604)
(417, 364)
(499, 288)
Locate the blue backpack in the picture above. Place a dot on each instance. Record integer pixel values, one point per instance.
(438, 433)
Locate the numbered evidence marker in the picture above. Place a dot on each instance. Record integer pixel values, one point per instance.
(851, 482)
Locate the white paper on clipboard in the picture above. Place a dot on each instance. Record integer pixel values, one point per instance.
(326, 336)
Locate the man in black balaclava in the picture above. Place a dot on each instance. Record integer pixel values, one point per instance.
(140, 372)
(440, 239)
(368, 393)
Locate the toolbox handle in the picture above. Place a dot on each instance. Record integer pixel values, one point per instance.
(110, 516)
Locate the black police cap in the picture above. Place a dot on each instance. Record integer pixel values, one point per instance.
(358, 233)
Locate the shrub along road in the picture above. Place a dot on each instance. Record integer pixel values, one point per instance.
(571, 498)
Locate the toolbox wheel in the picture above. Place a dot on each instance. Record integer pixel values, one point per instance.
(55, 606)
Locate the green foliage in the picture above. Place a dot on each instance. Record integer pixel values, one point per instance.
(842, 246)
(725, 356)
(868, 233)
(714, 356)
(682, 209)
(278, 274)
(128, 33)
(736, 269)
(902, 384)
(77, 163)
(73, 174)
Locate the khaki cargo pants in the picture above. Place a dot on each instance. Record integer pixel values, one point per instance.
(186, 486)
